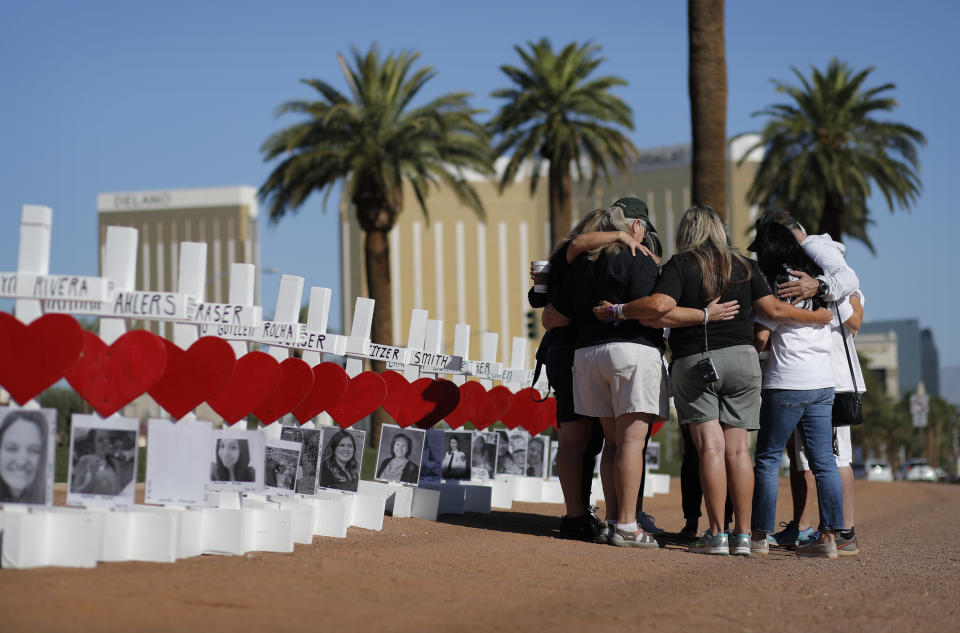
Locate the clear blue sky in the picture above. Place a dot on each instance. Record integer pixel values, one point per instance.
(108, 96)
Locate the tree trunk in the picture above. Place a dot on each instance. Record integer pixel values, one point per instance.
(377, 253)
(831, 220)
(708, 103)
(560, 184)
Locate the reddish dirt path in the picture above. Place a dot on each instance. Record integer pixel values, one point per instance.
(504, 572)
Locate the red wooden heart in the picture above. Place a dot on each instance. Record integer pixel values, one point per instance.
(494, 407)
(545, 416)
(523, 408)
(397, 391)
(193, 375)
(414, 407)
(254, 378)
(329, 384)
(33, 357)
(364, 395)
(472, 397)
(440, 398)
(296, 383)
(655, 427)
(110, 377)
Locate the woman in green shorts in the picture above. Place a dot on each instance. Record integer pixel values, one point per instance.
(715, 373)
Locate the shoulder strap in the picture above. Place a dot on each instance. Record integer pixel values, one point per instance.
(843, 335)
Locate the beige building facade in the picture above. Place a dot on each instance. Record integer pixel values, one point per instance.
(225, 218)
(465, 269)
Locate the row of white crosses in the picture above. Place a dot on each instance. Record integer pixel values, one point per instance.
(114, 299)
(81, 538)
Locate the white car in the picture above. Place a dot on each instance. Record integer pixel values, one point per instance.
(919, 470)
(879, 471)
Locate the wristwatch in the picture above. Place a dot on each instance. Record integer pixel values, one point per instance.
(822, 289)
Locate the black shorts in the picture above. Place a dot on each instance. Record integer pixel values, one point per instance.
(560, 375)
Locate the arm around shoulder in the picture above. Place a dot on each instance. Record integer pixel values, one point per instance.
(773, 309)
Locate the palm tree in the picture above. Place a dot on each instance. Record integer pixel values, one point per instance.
(374, 142)
(825, 150)
(556, 113)
(708, 103)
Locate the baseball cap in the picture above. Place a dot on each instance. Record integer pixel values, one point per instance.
(634, 209)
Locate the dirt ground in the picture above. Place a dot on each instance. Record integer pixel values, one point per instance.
(507, 571)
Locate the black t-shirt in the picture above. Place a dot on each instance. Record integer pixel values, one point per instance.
(559, 269)
(618, 278)
(682, 279)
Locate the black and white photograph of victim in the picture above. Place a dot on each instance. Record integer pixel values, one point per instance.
(512, 451)
(309, 440)
(554, 451)
(536, 456)
(398, 458)
(280, 462)
(341, 458)
(432, 455)
(484, 462)
(103, 461)
(237, 460)
(456, 455)
(27, 450)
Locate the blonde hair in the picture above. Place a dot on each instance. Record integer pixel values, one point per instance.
(587, 224)
(612, 220)
(703, 234)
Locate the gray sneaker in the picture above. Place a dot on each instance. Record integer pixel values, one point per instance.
(604, 536)
(718, 545)
(632, 539)
(817, 550)
(739, 544)
(847, 546)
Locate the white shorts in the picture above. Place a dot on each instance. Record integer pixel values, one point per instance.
(612, 379)
(842, 449)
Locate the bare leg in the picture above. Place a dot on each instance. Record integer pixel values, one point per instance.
(846, 481)
(607, 460)
(739, 475)
(631, 432)
(573, 438)
(709, 440)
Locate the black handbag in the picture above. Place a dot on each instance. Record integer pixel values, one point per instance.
(848, 405)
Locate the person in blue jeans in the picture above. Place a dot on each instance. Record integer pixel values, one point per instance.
(797, 393)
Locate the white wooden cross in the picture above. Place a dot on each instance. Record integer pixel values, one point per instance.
(461, 348)
(34, 254)
(359, 339)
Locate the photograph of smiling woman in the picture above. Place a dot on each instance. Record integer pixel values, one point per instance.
(238, 460)
(26, 455)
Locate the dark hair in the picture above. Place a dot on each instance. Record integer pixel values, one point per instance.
(36, 491)
(401, 436)
(331, 447)
(241, 470)
(777, 250)
(454, 438)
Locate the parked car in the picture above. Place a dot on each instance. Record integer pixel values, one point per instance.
(859, 470)
(879, 471)
(918, 470)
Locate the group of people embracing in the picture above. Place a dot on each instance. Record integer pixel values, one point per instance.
(609, 311)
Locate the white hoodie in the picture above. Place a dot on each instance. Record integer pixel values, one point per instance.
(841, 283)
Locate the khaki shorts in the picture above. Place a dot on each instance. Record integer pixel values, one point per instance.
(842, 449)
(734, 399)
(612, 379)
